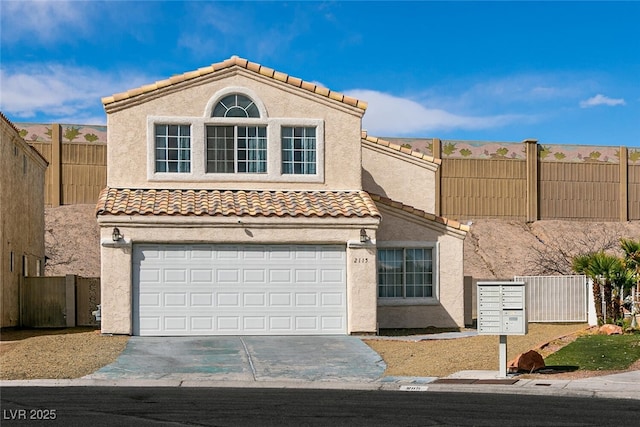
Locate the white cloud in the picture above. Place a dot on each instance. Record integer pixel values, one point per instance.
(600, 99)
(46, 21)
(391, 115)
(59, 91)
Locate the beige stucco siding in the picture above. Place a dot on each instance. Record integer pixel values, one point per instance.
(398, 176)
(128, 131)
(448, 311)
(21, 218)
(116, 281)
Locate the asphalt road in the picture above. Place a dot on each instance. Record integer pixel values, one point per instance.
(123, 406)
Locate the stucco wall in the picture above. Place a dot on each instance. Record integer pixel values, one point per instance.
(448, 310)
(116, 284)
(399, 176)
(21, 218)
(127, 130)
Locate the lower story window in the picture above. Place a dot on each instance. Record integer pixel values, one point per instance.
(405, 273)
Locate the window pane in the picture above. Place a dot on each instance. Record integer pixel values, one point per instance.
(252, 149)
(220, 149)
(241, 149)
(405, 273)
(235, 105)
(298, 150)
(173, 148)
(390, 271)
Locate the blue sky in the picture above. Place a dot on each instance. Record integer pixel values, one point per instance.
(559, 72)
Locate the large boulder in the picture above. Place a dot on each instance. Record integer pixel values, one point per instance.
(526, 362)
(610, 329)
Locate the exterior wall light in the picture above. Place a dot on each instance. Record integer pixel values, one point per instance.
(363, 236)
(116, 236)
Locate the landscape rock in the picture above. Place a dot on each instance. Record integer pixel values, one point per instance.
(526, 362)
(609, 329)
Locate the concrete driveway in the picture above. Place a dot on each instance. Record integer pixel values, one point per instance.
(247, 358)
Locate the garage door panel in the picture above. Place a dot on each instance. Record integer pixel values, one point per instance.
(335, 299)
(280, 299)
(280, 276)
(175, 276)
(201, 299)
(227, 276)
(255, 299)
(150, 299)
(175, 300)
(306, 276)
(175, 253)
(201, 276)
(331, 276)
(234, 290)
(306, 300)
(258, 276)
(228, 299)
(202, 324)
(228, 323)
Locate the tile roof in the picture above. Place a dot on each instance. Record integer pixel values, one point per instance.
(400, 148)
(420, 213)
(116, 201)
(242, 63)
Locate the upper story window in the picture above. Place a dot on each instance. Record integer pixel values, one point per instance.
(173, 148)
(235, 140)
(236, 105)
(236, 149)
(299, 155)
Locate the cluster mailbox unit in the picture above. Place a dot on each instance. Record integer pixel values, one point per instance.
(502, 310)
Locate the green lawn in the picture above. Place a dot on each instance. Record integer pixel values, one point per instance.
(598, 352)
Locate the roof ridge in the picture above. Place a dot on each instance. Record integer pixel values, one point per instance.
(396, 147)
(419, 212)
(243, 63)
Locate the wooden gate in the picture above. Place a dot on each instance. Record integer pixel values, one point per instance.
(58, 302)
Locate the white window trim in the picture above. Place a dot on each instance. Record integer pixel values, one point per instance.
(199, 144)
(435, 299)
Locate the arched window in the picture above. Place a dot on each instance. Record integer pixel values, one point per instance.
(236, 105)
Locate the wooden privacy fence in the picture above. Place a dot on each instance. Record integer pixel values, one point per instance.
(58, 302)
(77, 171)
(524, 181)
(556, 298)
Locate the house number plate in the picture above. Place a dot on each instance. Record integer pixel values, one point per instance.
(360, 260)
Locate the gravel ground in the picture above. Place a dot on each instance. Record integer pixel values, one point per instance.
(56, 353)
(76, 352)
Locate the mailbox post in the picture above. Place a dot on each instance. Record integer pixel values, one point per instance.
(502, 310)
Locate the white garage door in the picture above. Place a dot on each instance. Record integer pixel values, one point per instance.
(239, 290)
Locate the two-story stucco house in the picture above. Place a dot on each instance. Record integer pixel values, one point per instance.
(241, 200)
(22, 171)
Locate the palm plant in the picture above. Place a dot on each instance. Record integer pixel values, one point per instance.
(631, 259)
(604, 270)
(581, 264)
(607, 267)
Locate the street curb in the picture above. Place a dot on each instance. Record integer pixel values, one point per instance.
(555, 388)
